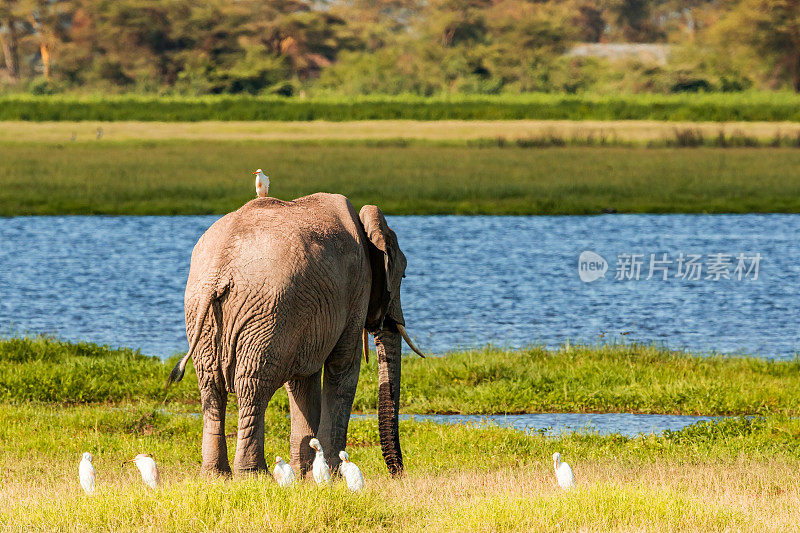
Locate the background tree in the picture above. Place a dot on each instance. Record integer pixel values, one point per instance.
(771, 29)
(44, 20)
(8, 39)
(634, 21)
(588, 20)
(392, 46)
(375, 24)
(527, 38)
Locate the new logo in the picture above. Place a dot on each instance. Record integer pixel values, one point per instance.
(591, 266)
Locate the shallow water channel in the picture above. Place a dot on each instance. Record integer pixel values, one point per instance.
(554, 424)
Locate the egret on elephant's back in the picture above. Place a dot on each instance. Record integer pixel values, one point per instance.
(278, 294)
(262, 184)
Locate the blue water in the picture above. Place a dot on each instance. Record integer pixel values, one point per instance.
(509, 281)
(555, 424)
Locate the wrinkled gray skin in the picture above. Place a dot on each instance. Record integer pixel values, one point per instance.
(277, 292)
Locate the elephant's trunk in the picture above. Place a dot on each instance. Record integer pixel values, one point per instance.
(387, 342)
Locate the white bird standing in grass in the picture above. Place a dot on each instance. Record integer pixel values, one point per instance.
(87, 473)
(262, 184)
(147, 466)
(283, 472)
(320, 469)
(564, 475)
(352, 474)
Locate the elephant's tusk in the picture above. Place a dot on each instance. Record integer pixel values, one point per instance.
(365, 343)
(408, 340)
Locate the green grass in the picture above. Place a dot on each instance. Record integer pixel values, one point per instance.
(696, 107)
(735, 474)
(615, 378)
(458, 478)
(204, 177)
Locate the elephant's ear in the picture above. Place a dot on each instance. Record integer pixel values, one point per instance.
(388, 269)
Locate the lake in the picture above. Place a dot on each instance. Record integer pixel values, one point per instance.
(731, 280)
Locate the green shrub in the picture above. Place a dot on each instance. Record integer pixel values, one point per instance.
(676, 107)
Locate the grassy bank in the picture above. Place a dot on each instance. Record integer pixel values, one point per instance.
(204, 177)
(60, 399)
(733, 475)
(680, 107)
(621, 378)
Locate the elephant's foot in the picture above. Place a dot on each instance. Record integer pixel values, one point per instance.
(244, 467)
(302, 455)
(251, 472)
(216, 470)
(302, 469)
(215, 456)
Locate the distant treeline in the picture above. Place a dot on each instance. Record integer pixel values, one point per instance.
(421, 47)
(705, 107)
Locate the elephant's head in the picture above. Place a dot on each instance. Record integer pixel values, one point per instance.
(385, 321)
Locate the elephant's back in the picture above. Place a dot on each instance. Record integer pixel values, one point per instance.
(316, 228)
(269, 230)
(286, 251)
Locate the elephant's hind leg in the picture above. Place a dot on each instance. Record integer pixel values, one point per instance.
(215, 449)
(304, 404)
(252, 394)
(338, 392)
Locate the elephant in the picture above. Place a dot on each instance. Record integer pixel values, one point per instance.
(277, 292)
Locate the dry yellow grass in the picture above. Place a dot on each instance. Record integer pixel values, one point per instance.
(735, 496)
(632, 131)
(611, 496)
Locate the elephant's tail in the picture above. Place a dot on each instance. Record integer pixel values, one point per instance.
(177, 372)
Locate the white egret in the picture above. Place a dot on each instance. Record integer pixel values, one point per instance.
(351, 472)
(320, 469)
(147, 466)
(86, 473)
(283, 472)
(564, 475)
(262, 184)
